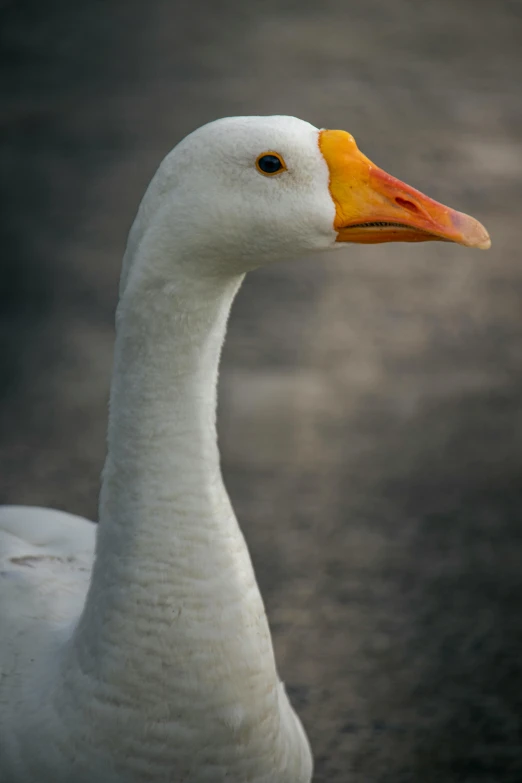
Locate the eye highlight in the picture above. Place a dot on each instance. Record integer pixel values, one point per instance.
(270, 163)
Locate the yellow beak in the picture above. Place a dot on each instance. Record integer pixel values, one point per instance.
(371, 206)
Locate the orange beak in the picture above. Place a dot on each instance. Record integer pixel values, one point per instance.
(371, 206)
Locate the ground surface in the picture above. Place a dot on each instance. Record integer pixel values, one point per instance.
(371, 405)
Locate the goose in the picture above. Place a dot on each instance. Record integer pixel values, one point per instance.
(139, 649)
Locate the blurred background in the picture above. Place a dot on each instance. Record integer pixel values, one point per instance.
(371, 409)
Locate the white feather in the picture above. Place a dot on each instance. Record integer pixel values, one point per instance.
(161, 668)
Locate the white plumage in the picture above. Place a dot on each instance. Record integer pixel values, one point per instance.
(153, 660)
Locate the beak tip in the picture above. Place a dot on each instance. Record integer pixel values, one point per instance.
(481, 242)
(473, 233)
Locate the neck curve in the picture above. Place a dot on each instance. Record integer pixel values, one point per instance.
(174, 630)
(172, 584)
(169, 553)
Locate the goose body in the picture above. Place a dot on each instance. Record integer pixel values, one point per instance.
(141, 652)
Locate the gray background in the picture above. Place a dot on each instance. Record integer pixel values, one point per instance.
(370, 410)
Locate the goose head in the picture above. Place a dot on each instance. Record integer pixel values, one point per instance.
(241, 192)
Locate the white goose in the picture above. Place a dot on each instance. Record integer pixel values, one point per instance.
(158, 665)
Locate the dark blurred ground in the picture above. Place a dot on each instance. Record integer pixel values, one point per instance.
(371, 411)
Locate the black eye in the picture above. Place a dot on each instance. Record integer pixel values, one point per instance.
(270, 163)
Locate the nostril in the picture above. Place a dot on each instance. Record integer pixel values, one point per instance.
(405, 204)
